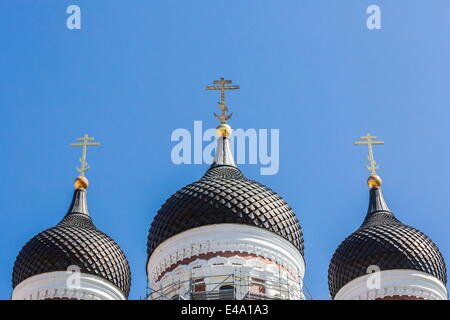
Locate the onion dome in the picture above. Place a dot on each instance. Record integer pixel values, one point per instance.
(74, 241)
(382, 240)
(224, 195)
(385, 241)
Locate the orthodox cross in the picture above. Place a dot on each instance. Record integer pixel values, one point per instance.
(222, 87)
(373, 165)
(84, 144)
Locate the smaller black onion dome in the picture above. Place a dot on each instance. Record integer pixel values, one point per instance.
(384, 241)
(74, 241)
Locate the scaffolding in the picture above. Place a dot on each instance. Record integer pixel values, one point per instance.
(232, 286)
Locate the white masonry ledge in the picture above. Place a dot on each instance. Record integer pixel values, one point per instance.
(397, 282)
(61, 284)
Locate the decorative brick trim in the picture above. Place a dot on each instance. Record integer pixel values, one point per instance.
(220, 238)
(244, 255)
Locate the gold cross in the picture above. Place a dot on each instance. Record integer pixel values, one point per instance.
(373, 165)
(84, 144)
(222, 89)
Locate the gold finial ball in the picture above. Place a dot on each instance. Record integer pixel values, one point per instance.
(223, 130)
(374, 181)
(81, 182)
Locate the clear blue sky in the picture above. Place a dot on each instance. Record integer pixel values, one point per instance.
(137, 70)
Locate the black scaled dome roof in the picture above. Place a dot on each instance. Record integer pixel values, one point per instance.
(224, 195)
(74, 241)
(384, 241)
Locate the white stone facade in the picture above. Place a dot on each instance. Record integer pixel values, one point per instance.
(233, 254)
(391, 283)
(63, 285)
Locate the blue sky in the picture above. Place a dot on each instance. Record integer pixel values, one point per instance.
(137, 70)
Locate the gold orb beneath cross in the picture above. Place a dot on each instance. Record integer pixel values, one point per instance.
(223, 130)
(81, 182)
(374, 181)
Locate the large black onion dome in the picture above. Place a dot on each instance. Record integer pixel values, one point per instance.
(224, 195)
(384, 241)
(74, 241)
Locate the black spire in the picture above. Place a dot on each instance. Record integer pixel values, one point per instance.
(224, 156)
(378, 212)
(376, 201)
(79, 202)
